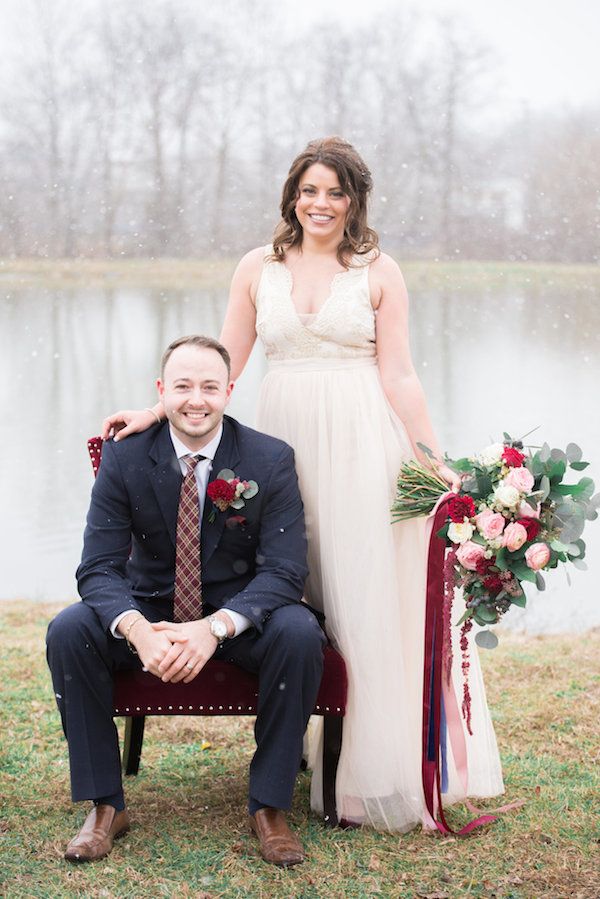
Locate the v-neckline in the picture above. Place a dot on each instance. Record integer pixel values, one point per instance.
(315, 315)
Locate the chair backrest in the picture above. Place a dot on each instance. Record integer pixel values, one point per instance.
(94, 446)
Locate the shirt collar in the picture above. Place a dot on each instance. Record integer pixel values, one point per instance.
(209, 451)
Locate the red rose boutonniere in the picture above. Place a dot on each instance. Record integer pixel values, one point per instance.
(228, 491)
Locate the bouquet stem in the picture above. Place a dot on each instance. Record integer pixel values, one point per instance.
(419, 488)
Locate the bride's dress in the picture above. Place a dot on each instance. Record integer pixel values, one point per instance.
(323, 395)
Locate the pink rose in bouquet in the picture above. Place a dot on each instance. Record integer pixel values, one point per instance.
(490, 524)
(537, 556)
(470, 554)
(526, 511)
(515, 535)
(521, 478)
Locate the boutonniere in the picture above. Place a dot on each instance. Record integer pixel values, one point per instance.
(229, 492)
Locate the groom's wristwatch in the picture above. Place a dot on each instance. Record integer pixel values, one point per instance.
(218, 628)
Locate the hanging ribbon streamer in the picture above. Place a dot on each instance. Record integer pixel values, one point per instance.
(438, 694)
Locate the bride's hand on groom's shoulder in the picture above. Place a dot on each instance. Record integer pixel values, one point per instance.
(125, 422)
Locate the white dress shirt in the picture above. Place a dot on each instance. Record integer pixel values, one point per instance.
(202, 473)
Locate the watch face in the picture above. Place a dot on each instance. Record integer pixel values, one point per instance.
(218, 628)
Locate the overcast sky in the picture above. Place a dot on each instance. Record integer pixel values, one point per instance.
(549, 50)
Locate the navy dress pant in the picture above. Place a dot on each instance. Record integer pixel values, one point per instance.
(287, 657)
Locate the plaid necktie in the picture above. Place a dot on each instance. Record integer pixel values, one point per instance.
(187, 603)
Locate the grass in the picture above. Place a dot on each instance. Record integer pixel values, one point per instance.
(174, 274)
(189, 835)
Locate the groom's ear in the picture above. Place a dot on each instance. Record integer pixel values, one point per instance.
(160, 387)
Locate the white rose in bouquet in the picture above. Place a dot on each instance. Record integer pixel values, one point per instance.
(506, 495)
(460, 531)
(491, 454)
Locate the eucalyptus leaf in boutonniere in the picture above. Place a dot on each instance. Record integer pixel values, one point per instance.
(228, 491)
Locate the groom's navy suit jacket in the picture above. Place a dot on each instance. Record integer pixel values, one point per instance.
(251, 567)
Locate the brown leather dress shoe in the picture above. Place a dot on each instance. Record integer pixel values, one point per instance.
(278, 844)
(95, 839)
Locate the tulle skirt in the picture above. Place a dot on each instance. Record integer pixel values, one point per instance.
(368, 576)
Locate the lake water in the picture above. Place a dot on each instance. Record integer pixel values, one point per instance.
(508, 357)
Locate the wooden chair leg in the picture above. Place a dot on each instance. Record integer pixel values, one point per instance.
(132, 743)
(332, 745)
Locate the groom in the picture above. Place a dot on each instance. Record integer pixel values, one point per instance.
(171, 575)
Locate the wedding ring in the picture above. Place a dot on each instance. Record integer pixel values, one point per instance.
(187, 665)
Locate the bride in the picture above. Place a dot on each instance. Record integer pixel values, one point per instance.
(332, 313)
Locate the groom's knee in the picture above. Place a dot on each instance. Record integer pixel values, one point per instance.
(296, 631)
(72, 630)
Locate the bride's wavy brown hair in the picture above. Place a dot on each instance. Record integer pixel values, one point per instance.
(356, 182)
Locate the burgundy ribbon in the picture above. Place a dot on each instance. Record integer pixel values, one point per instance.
(432, 679)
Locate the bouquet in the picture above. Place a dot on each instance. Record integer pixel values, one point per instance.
(513, 518)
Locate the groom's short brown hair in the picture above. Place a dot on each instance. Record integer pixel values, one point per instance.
(198, 340)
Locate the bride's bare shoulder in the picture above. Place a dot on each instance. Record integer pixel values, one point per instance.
(252, 262)
(383, 264)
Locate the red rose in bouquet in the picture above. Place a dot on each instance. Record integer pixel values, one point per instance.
(531, 525)
(512, 457)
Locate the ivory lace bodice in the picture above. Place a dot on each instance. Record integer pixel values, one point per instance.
(344, 326)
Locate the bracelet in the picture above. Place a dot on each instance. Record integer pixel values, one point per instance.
(127, 632)
(155, 414)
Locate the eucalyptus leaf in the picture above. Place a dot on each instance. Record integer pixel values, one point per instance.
(237, 503)
(579, 466)
(580, 564)
(251, 490)
(486, 639)
(536, 465)
(573, 529)
(574, 452)
(573, 550)
(558, 455)
(226, 474)
(520, 600)
(591, 515)
(545, 488)
(540, 583)
(595, 501)
(545, 452)
(485, 614)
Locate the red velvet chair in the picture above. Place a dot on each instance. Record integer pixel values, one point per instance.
(223, 688)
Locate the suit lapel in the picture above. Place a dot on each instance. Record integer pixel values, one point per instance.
(166, 479)
(227, 456)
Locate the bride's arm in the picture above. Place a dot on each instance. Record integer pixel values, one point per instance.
(399, 378)
(239, 327)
